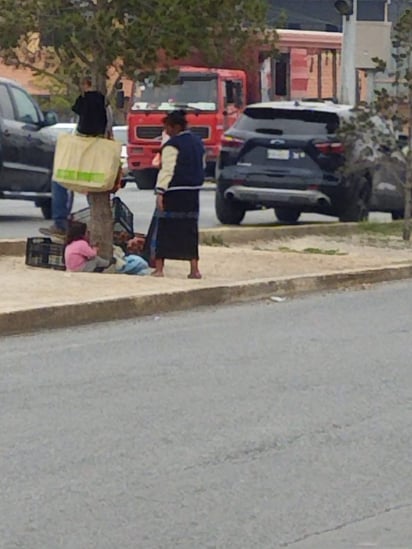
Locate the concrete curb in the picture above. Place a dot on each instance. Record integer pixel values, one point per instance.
(66, 315)
(13, 247)
(232, 235)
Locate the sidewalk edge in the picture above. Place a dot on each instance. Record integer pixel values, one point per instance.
(66, 315)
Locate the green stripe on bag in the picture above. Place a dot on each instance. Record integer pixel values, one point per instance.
(74, 175)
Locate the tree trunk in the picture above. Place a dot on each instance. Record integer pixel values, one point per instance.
(101, 225)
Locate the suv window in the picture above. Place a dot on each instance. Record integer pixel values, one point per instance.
(26, 109)
(287, 122)
(6, 106)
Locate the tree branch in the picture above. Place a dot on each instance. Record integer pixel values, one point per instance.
(42, 72)
(78, 53)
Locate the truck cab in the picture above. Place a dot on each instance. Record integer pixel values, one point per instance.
(212, 98)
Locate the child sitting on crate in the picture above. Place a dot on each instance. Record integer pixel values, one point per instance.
(79, 256)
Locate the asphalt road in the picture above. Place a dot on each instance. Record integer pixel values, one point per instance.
(260, 426)
(22, 219)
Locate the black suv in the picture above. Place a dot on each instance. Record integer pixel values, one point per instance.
(286, 156)
(26, 147)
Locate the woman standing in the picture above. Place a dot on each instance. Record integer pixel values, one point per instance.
(177, 196)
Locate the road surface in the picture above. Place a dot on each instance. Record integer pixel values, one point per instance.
(260, 426)
(21, 219)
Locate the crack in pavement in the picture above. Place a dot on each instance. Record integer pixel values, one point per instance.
(344, 524)
(323, 434)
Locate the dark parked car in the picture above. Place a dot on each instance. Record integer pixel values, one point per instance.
(26, 147)
(286, 156)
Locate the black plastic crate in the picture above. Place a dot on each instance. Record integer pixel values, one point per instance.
(43, 252)
(122, 217)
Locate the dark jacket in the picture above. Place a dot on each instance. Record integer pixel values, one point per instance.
(91, 108)
(189, 170)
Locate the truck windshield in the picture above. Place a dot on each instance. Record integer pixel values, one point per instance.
(189, 92)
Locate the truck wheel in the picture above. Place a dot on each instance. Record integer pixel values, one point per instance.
(357, 208)
(46, 209)
(146, 179)
(286, 215)
(228, 212)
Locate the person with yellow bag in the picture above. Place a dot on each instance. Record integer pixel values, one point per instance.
(95, 120)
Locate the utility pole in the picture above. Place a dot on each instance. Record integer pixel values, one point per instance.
(371, 72)
(348, 92)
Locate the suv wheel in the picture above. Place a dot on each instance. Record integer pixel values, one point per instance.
(286, 215)
(228, 212)
(46, 209)
(357, 208)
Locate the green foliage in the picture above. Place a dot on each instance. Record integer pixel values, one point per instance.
(381, 229)
(316, 251)
(375, 131)
(214, 240)
(65, 39)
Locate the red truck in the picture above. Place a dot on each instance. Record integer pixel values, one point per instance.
(212, 98)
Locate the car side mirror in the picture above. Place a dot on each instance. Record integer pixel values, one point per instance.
(50, 118)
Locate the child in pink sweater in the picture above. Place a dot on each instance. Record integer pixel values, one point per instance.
(79, 256)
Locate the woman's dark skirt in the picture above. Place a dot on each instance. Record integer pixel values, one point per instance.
(174, 233)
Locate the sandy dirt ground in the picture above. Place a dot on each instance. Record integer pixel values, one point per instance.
(26, 287)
